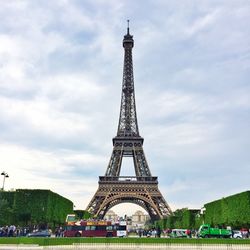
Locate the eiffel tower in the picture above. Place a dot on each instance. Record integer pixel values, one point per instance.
(141, 189)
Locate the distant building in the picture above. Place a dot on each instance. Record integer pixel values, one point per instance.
(138, 220)
(134, 222)
(111, 215)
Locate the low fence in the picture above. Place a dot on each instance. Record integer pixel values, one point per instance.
(25, 243)
(128, 247)
(152, 246)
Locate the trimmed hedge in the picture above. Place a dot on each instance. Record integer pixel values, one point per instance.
(82, 214)
(33, 207)
(6, 208)
(181, 218)
(232, 210)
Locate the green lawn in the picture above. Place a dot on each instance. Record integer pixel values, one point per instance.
(69, 241)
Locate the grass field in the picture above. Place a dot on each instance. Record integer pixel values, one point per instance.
(70, 241)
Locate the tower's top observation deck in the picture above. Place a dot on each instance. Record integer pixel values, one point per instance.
(128, 41)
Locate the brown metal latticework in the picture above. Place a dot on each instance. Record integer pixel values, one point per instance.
(141, 189)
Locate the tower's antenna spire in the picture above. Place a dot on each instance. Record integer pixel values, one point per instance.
(128, 26)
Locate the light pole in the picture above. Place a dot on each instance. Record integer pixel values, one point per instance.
(5, 175)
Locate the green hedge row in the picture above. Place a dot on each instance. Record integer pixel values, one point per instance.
(31, 207)
(82, 214)
(233, 210)
(181, 218)
(6, 207)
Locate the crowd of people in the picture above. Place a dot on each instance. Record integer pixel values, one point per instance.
(154, 232)
(59, 232)
(17, 231)
(12, 230)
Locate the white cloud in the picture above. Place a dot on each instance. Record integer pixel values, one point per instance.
(202, 23)
(34, 169)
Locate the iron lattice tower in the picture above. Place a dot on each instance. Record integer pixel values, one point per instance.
(141, 189)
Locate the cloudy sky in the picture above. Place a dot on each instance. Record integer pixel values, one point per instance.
(61, 67)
